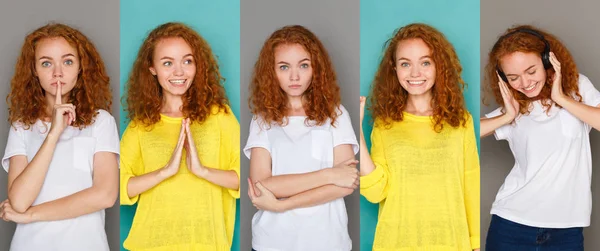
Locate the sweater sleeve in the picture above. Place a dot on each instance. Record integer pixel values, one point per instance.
(471, 183)
(130, 162)
(230, 146)
(375, 185)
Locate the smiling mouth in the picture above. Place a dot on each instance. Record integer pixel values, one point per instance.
(415, 82)
(531, 87)
(178, 82)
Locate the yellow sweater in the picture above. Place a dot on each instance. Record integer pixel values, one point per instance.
(183, 212)
(426, 184)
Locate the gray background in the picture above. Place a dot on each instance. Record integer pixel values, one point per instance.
(576, 24)
(99, 21)
(336, 23)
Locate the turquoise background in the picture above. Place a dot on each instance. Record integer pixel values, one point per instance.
(457, 19)
(217, 21)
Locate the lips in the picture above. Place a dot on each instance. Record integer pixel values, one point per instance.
(530, 88)
(178, 82)
(294, 86)
(54, 83)
(416, 82)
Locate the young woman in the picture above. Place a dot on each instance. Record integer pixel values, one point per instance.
(424, 167)
(547, 111)
(177, 107)
(62, 149)
(301, 147)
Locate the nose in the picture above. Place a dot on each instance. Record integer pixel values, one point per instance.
(178, 70)
(415, 71)
(57, 72)
(294, 75)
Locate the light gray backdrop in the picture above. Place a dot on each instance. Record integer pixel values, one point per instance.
(576, 24)
(99, 21)
(336, 23)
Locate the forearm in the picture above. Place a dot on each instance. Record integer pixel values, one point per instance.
(139, 184)
(81, 203)
(224, 178)
(316, 196)
(287, 185)
(26, 187)
(489, 125)
(366, 163)
(588, 114)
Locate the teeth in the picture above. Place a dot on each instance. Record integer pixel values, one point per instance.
(178, 81)
(416, 82)
(529, 88)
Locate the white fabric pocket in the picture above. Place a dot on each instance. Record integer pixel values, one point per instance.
(572, 127)
(322, 146)
(83, 153)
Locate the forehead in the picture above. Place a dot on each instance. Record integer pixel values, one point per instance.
(172, 46)
(53, 46)
(519, 61)
(291, 51)
(413, 47)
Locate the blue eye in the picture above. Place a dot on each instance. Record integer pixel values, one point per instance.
(283, 67)
(426, 63)
(189, 61)
(304, 66)
(167, 63)
(46, 64)
(68, 62)
(405, 64)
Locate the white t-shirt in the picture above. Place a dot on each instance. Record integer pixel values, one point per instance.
(70, 171)
(298, 148)
(549, 186)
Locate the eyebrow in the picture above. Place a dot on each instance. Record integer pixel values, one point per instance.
(170, 58)
(423, 57)
(529, 68)
(283, 62)
(64, 56)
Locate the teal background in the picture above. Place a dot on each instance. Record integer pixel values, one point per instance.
(457, 19)
(217, 21)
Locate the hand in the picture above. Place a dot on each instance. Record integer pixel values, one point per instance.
(344, 174)
(7, 213)
(363, 101)
(477, 249)
(173, 166)
(511, 106)
(63, 115)
(557, 94)
(192, 159)
(263, 199)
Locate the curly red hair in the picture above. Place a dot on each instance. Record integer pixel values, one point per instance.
(388, 98)
(525, 42)
(321, 99)
(26, 102)
(144, 93)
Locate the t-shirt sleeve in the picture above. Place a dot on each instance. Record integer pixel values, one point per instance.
(106, 134)
(257, 137)
(589, 93)
(230, 146)
(503, 132)
(343, 133)
(130, 161)
(15, 145)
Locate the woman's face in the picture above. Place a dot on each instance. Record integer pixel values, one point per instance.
(56, 61)
(173, 65)
(415, 68)
(525, 72)
(293, 67)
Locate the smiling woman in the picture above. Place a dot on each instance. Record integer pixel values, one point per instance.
(175, 88)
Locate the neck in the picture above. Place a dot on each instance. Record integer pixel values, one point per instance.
(172, 105)
(419, 104)
(295, 106)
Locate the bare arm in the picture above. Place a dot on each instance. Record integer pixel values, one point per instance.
(489, 125)
(586, 113)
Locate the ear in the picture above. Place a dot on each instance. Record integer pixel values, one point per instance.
(152, 70)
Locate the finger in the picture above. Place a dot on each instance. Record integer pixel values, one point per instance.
(251, 189)
(259, 187)
(351, 161)
(58, 93)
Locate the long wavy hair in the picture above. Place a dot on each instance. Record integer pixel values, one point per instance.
(321, 99)
(145, 95)
(388, 99)
(526, 43)
(26, 100)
